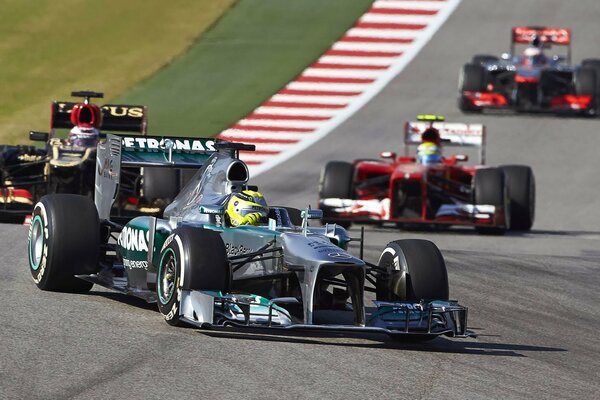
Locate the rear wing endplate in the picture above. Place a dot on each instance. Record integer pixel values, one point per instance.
(142, 151)
(115, 117)
(451, 134)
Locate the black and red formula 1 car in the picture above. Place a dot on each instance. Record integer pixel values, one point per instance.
(68, 165)
(530, 80)
(408, 193)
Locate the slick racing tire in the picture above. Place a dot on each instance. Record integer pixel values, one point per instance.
(336, 183)
(472, 78)
(192, 258)
(411, 270)
(64, 240)
(521, 191)
(479, 59)
(489, 187)
(585, 82)
(160, 183)
(594, 64)
(336, 180)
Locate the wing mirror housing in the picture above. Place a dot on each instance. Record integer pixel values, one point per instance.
(312, 214)
(38, 136)
(388, 155)
(461, 157)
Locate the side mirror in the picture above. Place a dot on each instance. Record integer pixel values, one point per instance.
(388, 155)
(312, 214)
(38, 136)
(505, 56)
(461, 157)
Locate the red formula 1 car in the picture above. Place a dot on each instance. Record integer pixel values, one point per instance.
(530, 80)
(409, 193)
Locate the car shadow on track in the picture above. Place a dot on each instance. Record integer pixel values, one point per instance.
(374, 341)
(123, 298)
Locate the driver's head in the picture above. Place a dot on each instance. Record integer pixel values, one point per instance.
(431, 135)
(246, 208)
(84, 137)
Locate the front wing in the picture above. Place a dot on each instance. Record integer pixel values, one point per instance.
(375, 211)
(424, 320)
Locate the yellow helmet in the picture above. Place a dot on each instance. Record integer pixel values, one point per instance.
(246, 208)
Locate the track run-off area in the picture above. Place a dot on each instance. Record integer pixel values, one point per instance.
(533, 297)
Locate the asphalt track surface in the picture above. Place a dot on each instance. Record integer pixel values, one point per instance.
(533, 297)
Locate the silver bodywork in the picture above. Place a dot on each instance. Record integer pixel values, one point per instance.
(313, 257)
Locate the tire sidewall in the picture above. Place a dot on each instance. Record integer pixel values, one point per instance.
(170, 307)
(40, 225)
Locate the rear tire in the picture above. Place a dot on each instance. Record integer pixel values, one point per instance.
(336, 182)
(415, 271)
(521, 189)
(479, 59)
(201, 255)
(489, 187)
(64, 240)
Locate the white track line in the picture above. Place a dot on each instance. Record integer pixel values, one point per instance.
(366, 46)
(383, 33)
(342, 87)
(359, 65)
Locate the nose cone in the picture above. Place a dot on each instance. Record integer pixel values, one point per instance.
(304, 250)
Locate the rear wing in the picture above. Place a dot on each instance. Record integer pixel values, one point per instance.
(115, 117)
(546, 35)
(143, 151)
(451, 134)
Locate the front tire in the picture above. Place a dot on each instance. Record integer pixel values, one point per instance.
(64, 240)
(521, 190)
(336, 183)
(196, 254)
(489, 187)
(412, 270)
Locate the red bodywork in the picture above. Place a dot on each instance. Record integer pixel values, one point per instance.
(427, 192)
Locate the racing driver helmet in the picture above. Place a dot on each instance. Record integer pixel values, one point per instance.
(246, 208)
(429, 151)
(83, 136)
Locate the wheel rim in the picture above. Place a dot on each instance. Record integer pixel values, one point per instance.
(36, 243)
(167, 275)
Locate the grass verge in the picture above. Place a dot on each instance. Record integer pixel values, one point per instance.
(50, 48)
(254, 50)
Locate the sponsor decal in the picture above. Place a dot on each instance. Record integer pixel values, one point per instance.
(323, 247)
(167, 242)
(339, 255)
(105, 169)
(179, 145)
(133, 239)
(233, 250)
(124, 111)
(133, 264)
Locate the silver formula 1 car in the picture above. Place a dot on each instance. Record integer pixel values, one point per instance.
(281, 274)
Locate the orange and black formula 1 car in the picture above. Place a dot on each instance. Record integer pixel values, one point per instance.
(531, 80)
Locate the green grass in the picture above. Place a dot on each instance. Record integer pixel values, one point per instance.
(50, 48)
(254, 50)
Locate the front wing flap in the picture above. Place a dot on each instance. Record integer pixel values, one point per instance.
(426, 319)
